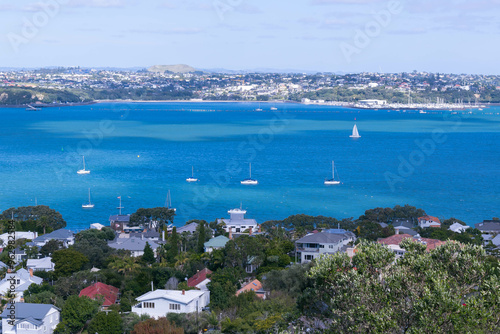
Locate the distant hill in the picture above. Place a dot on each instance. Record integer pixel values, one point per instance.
(172, 68)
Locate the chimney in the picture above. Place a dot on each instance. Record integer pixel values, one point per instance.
(250, 231)
(260, 229)
(9, 271)
(230, 233)
(397, 231)
(31, 272)
(183, 292)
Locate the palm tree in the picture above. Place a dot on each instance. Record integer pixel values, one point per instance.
(124, 265)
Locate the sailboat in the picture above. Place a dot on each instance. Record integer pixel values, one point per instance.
(250, 181)
(192, 178)
(259, 108)
(168, 202)
(332, 181)
(89, 205)
(355, 133)
(83, 171)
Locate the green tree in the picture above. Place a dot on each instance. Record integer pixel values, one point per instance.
(51, 246)
(160, 216)
(148, 256)
(76, 312)
(447, 290)
(51, 218)
(106, 323)
(202, 236)
(68, 261)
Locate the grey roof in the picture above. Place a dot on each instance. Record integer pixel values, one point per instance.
(120, 218)
(132, 244)
(27, 310)
(496, 240)
(30, 320)
(237, 222)
(322, 238)
(410, 231)
(25, 276)
(219, 241)
(383, 225)
(61, 234)
(188, 228)
(489, 225)
(3, 265)
(402, 223)
(147, 234)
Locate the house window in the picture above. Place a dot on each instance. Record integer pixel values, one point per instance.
(321, 246)
(18, 281)
(331, 246)
(243, 227)
(309, 257)
(148, 305)
(175, 307)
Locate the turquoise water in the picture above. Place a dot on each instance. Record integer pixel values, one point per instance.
(141, 151)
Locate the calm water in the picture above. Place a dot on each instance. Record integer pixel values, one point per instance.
(141, 151)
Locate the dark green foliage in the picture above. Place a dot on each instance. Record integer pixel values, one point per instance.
(37, 217)
(19, 96)
(106, 233)
(224, 284)
(68, 261)
(75, 314)
(292, 281)
(50, 247)
(93, 244)
(106, 323)
(146, 217)
(241, 250)
(148, 256)
(202, 237)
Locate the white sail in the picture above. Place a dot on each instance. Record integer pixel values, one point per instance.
(355, 133)
(249, 181)
(83, 171)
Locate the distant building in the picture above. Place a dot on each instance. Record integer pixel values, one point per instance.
(97, 226)
(17, 236)
(109, 293)
(190, 228)
(393, 243)
(372, 102)
(255, 286)
(30, 318)
(63, 235)
(200, 280)
(120, 223)
(489, 227)
(313, 245)
(44, 264)
(134, 245)
(215, 243)
(429, 221)
(21, 279)
(159, 303)
(238, 223)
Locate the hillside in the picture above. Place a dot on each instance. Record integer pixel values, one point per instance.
(181, 68)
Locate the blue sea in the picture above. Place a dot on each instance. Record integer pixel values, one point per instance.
(446, 163)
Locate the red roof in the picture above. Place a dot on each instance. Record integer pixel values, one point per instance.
(431, 218)
(110, 293)
(396, 240)
(254, 285)
(199, 277)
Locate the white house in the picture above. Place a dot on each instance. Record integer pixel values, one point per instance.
(458, 228)
(44, 264)
(17, 236)
(24, 318)
(134, 245)
(20, 281)
(158, 303)
(315, 244)
(429, 221)
(238, 223)
(63, 235)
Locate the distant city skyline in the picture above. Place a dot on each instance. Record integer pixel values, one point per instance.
(449, 36)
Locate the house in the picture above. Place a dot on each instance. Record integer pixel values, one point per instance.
(315, 244)
(97, 226)
(134, 245)
(255, 286)
(200, 280)
(215, 243)
(238, 223)
(190, 228)
(119, 223)
(24, 318)
(19, 255)
(101, 290)
(489, 227)
(44, 264)
(21, 279)
(17, 236)
(458, 228)
(394, 240)
(63, 235)
(148, 235)
(429, 221)
(496, 241)
(158, 303)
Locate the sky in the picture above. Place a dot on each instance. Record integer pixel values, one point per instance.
(447, 36)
